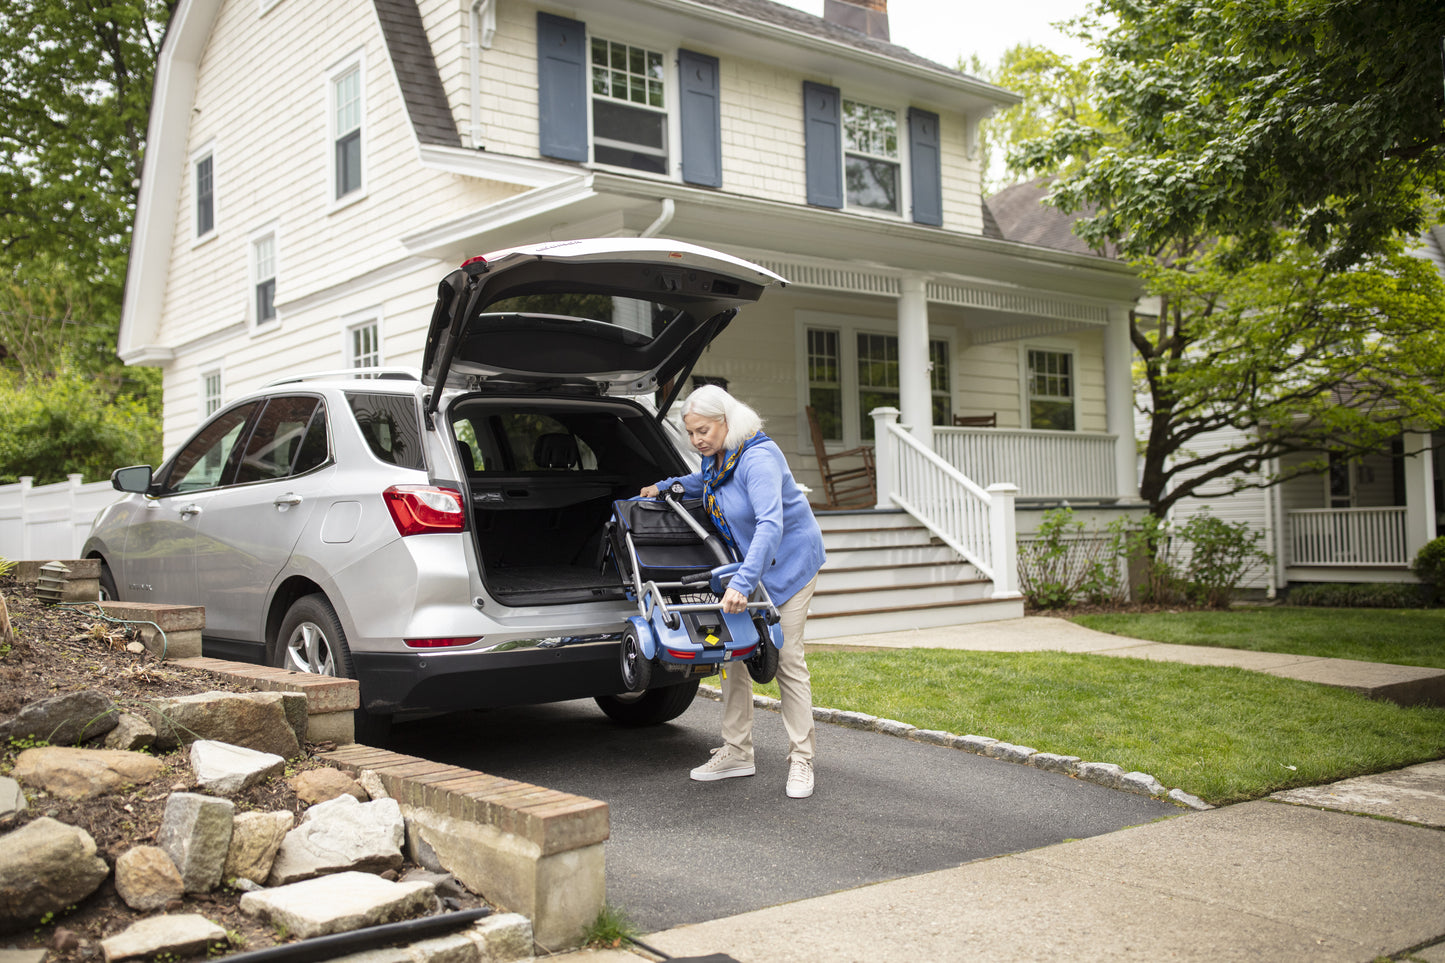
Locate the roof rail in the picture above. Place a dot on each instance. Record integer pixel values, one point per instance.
(351, 374)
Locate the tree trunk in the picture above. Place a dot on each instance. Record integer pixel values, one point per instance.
(7, 635)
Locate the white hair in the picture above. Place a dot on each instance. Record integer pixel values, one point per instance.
(715, 404)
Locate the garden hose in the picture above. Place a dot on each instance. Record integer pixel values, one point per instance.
(76, 607)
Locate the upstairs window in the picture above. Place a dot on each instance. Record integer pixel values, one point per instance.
(211, 389)
(629, 107)
(205, 174)
(870, 156)
(263, 270)
(346, 118)
(363, 344)
(1051, 390)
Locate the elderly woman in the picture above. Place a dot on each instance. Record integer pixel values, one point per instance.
(759, 510)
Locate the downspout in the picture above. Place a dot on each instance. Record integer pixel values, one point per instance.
(482, 27)
(1272, 534)
(663, 219)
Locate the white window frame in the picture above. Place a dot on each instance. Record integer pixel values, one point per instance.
(848, 328)
(1026, 388)
(669, 109)
(204, 153)
(255, 278)
(900, 115)
(354, 61)
(204, 399)
(353, 323)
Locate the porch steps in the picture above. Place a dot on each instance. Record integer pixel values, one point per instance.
(885, 573)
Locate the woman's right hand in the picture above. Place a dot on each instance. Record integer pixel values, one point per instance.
(649, 491)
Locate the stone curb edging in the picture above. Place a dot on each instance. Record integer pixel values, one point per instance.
(1105, 774)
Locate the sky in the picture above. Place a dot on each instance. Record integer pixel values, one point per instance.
(945, 30)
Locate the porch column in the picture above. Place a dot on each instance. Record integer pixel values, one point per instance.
(1419, 492)
(1119, 402)
(915, 391)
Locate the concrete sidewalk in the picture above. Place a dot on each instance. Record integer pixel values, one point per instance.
(1349, 871)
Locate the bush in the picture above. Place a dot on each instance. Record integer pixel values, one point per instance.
(1064, 564)
(71, 422)
(1429, 566)
(1220, 554)
(1367, 595)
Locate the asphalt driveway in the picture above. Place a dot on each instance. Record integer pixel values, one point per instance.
(685, 852)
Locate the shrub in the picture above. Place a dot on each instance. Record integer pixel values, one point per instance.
(1368, 595)
(1429, 566)
(1220, 554)
(71, 422)
(1065, 564)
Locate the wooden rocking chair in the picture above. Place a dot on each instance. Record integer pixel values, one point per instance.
(844, 485)
(976, 421)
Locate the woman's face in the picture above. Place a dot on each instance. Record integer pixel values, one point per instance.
(706, 434)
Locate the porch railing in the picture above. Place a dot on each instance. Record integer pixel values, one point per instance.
(976, 523)
(1347, 536)
(1043, 464)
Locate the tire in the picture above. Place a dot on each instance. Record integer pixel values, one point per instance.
(636, 667)
(311, 640)
(108, 590)
(650, 708)
(763, 664)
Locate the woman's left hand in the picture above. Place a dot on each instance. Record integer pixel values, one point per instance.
(734, 601)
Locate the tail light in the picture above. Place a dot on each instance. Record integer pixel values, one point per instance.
(440, 643)
(422, 509)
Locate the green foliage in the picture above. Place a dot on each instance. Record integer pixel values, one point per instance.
(71, 422)
(1066, 564)
(1356, 595)
(5, 566)
(1429, 565)
(610, 929)
(1220, 555)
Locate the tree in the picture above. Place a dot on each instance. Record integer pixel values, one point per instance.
(1288, 307)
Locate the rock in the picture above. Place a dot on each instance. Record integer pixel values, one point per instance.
(64, 940)
(135, 648)
(255, 840)
(63, 720)
(84, 773)
(339, 835)
(892, 727)
(22, 956)
(146, 878)
(371, 782)
(12, 799)
(131, 732)
(1101, 773)
(319, 785)
(46, 866)
(1185, 799)
(854, 720)
(976, 744)
(1142, 783)
(1008, 752)
(932, 737)
(224, 769)
(196, 834)
(256, 720)
(173, 936)
(338, 903)
(444, 883)
(298, 715)
(1053, 762)
(503, 936)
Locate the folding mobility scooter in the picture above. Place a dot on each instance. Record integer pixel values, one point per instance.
(676, 567)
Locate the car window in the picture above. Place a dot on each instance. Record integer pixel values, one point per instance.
(281, 434)
(389, 425)
(526, 441)
(203, 462)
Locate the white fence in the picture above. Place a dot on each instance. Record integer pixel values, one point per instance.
(1347, 537)
(49, 521)
(1043, 464)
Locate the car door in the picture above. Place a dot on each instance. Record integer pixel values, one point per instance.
(160, 545)
(249, 528)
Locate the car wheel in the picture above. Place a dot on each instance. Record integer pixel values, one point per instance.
(108, 591)
(650, 708)
(636, 667)
(312, 640)
(763, 664)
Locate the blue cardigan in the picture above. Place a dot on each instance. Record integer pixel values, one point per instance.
(764, 508)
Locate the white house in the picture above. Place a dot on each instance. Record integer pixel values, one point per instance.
(315, 168)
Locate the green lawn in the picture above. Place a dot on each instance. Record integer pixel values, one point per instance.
(1399, 636)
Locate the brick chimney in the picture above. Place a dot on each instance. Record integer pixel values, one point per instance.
(865, 16)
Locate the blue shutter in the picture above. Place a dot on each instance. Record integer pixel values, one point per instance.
(925, 167)
(823, 144)
(562, 87)
(701, 119)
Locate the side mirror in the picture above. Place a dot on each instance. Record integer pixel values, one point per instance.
(136, 479)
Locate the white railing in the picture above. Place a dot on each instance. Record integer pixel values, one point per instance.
(1347, 536)
(1043, 464)
(44, 522)
(976, 523)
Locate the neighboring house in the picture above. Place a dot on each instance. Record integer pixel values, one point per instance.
(1363, 520)
(314, 168)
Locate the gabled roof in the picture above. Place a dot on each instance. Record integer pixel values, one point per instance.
(416, 73)
(1020, 214)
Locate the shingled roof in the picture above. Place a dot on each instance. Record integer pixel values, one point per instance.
(1020, 214)
(416, 72)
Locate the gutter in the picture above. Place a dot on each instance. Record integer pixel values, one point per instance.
(669, 208)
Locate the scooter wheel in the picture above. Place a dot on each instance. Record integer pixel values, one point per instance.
(763, 664)
(636, 667)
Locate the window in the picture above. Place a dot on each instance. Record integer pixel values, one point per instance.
(825, 387)
(1050, 380)
(878, 378)
(263, 272)
(205, 172)
(346, 118)
(289, 438)
(390, 425)
(851, 371)
(211, 387)
(629, 109)
(870, 156)
(203, 462)
(363, 344)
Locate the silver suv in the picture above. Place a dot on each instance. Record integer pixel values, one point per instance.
(439, 535)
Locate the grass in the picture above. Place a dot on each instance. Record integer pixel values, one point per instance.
(1223, 734)
(1397, 636)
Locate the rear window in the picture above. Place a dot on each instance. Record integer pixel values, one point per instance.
(389, 424)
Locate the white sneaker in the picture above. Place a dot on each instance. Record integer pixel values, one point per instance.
(800, 779)
(724, 764)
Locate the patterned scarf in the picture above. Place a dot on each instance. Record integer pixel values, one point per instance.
(713, 477)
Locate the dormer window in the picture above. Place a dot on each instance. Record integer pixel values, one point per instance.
(629, 109)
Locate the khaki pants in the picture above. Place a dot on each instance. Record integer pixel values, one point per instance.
(797, 690)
